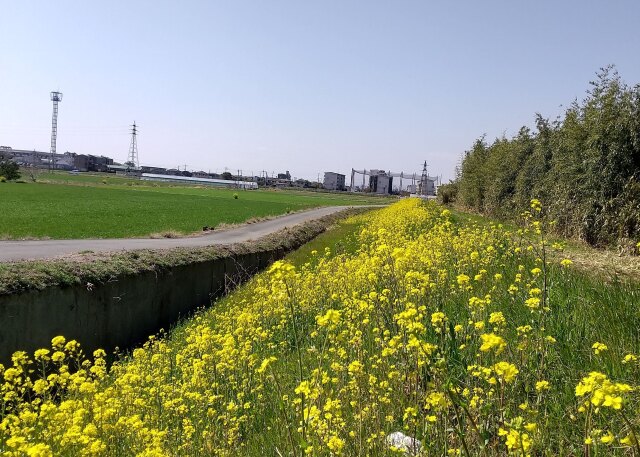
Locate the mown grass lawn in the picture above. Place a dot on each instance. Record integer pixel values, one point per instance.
(71, 206)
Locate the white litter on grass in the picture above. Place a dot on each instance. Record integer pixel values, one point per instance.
(410, 446)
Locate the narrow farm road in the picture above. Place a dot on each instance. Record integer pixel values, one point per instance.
(11, 251)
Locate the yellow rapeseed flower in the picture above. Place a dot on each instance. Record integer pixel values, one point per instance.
(599, 347)
(506, 371)
(491, 341)
(331, 317)
(542, 385)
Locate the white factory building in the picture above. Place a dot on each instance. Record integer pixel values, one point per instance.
(204, 181)
(334, 181)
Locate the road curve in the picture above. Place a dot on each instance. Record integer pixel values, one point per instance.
(12, 251)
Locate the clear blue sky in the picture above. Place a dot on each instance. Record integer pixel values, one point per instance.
(305, 86)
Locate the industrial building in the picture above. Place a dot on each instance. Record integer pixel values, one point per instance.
(206, 181)
(334, 181)
(380, 182)
(88, 162)
(426, 187)
(66, 161)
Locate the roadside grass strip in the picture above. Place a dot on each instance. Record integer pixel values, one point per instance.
(425, 336)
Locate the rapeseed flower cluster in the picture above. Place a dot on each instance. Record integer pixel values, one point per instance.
(432, 327)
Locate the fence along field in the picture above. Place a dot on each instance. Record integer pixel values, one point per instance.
(68, 206)
(463, 337)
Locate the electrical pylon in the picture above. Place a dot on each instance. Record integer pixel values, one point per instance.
(132, 160)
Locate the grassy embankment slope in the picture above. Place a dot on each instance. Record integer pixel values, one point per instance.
(607, 263)
(455, 333)
(65, 206)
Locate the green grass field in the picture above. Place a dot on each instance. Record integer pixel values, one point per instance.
(65, 206)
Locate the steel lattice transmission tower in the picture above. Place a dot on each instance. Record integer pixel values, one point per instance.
(132, 160)
(55, 98)
(423, 186)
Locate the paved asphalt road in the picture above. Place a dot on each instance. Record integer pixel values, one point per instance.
(11, 251)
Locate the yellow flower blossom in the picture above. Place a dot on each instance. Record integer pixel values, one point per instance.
(599, 347)
(331, 317)
(607, 438)
(506, 371)
(542, 385)
(491, 341)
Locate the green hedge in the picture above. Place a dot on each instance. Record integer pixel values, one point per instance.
(584, 167)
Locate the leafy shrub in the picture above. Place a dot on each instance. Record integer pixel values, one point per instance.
(447, 193)
(9, 169)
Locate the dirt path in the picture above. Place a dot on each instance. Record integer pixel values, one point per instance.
(11, 251)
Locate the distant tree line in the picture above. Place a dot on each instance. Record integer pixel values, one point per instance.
(584, 167)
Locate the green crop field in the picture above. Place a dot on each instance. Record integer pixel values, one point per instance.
(65, 206)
